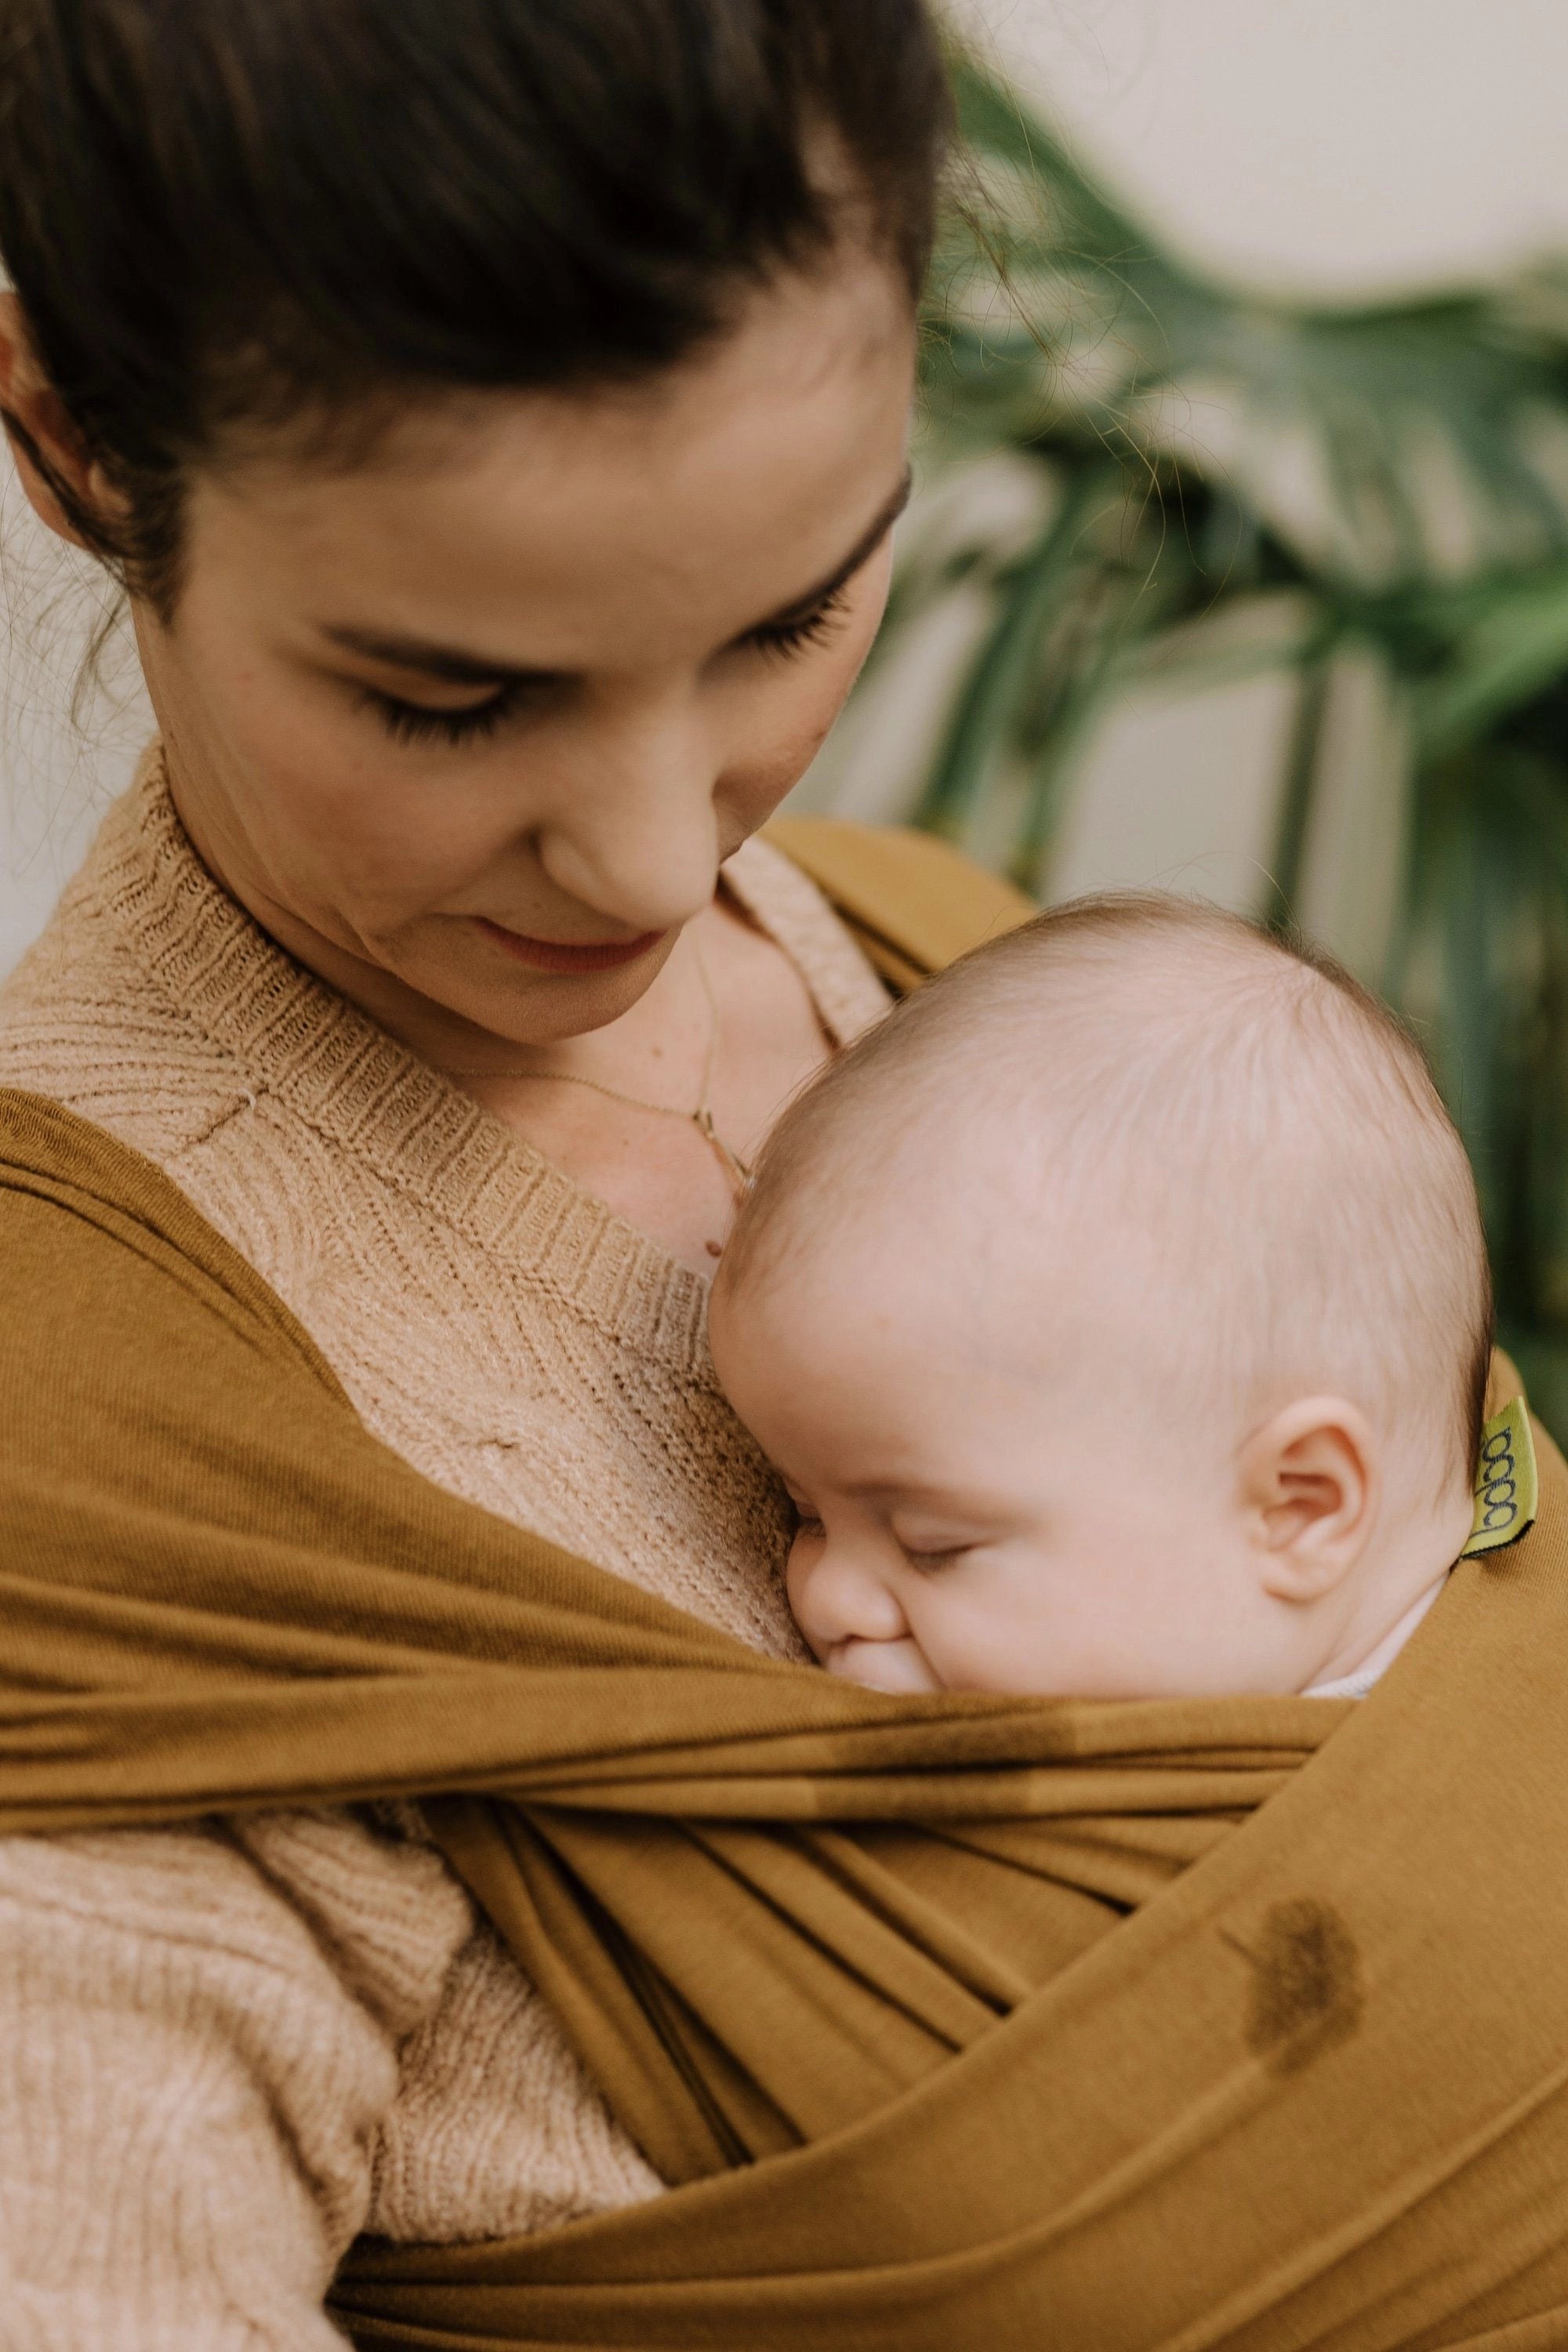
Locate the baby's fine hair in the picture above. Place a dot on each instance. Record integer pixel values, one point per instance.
(1264, 1133)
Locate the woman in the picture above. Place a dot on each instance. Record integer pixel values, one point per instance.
(496, 411)
(496, 416)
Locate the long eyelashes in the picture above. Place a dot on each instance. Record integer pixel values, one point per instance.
(814, 628)
(929, 1563)
(415, 722)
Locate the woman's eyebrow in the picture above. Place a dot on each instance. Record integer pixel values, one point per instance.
(455, 667)
(445, 662)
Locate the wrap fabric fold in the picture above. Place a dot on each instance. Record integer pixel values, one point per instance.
(1235, 2022)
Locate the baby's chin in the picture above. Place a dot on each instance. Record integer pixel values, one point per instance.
(895, 1666)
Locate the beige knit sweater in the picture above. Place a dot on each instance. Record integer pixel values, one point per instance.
(227, 2051)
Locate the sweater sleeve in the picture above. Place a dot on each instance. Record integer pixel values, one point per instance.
(193, 2075)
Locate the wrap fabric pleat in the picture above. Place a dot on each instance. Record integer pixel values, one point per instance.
(1235, 2022)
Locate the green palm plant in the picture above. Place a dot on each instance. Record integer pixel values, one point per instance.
(1211, 485)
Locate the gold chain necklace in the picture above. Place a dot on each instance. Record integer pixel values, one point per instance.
(701, 1119)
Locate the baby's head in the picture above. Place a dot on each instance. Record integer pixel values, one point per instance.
(1117, 1313)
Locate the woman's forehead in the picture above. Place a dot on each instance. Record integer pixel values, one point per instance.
(552, 530)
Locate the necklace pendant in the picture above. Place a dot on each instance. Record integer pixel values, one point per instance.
(735, 1167)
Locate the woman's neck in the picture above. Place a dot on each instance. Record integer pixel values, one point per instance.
(757, 1024)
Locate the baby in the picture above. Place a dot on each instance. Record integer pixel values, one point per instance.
(1117, 1315)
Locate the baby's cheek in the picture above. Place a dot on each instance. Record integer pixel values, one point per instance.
(983, 1639)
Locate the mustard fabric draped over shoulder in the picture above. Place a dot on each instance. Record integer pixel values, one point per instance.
(960, 2022)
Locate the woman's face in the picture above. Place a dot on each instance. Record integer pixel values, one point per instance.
(470, 729)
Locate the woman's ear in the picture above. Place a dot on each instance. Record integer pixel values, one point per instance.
(1311, 1487)
(38, 427)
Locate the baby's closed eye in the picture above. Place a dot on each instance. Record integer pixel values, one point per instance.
(928, 1559)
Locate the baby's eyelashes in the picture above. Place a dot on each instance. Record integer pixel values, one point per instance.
(930, 1546)
(928, 1562)
(925, 1547)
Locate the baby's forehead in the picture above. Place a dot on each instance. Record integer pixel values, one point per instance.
(1153, 1131)
(1019, 1083)
(1144, 1076)
(1167, 1054)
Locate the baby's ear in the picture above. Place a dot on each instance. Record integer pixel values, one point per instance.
(1311, 1487)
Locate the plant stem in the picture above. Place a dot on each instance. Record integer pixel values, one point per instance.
(1300, 791)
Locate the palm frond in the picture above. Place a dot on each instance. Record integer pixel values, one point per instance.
(1390, 481)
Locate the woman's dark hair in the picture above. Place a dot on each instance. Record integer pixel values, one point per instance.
(223, 215)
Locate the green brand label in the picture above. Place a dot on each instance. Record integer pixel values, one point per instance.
(1505, 1481)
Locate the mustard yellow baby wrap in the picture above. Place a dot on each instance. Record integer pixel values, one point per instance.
(1057, 2026)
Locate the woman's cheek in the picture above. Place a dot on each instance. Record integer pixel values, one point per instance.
(770, 766)
(748, 796)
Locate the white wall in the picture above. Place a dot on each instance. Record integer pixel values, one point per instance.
(64, 749)
(1326, 144)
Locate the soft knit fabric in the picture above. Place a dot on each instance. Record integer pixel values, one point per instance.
(224, 2052)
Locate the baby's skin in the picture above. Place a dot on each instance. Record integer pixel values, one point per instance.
(1017, 1465)
(969, 1523)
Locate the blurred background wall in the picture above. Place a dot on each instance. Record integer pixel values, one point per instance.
(1333, 146)
(72, 722)
(1239, 561)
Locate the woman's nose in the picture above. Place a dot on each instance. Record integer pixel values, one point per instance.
(636, 837)
(839, 1595)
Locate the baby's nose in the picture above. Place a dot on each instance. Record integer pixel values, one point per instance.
(838, 1596)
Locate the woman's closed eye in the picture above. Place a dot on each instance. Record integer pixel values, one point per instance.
(793, 634)
(816, 623)
(469, 723)
(476, 722)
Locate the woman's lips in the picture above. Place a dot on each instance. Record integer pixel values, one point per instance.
(565, 955)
